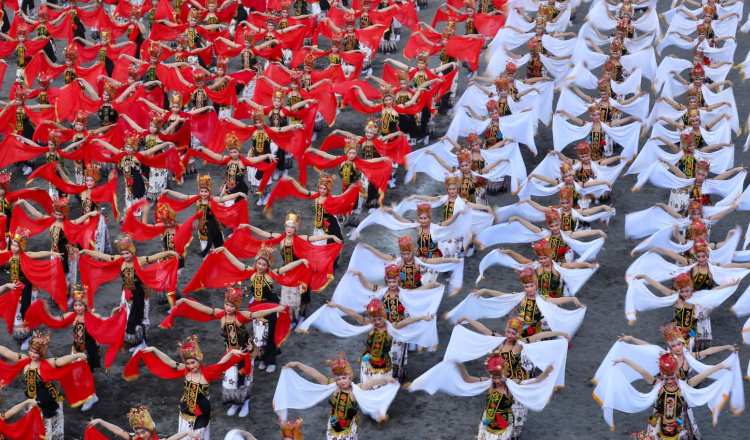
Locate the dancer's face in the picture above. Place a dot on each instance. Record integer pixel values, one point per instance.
(344, 382)
(407, 256)
(511, 334)
(230, 308)
(193, 365)
(530, 288)
(452, 191)
(554, 228)
(79, 307)
(126, 255)
(423, 219)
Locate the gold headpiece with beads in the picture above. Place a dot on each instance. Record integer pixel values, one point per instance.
(156, 118)
(527, 275)
(349, 18)
(291, 429)
(424, 208)
(667, 364)
(673, 331)
(702, 165)
(195, 14)
(189, 349)
(406, 244)
(423, 57)
(310, 60)
(692, 93)
(5, 179)
(515, 323)
(132, 138)
(583, 147)
(106, 33)
(175, 99)
(375, 309)
(278, 93)
(205, 182)
(155, 51)
(71, 52)
(386, 91)
(543, 248)
(340, 366)
(551, 216)
(232, 142)
(266, 253)
(450, 179)
(683, 280)
(21, 236)
(496, 365)
(234, 295)
(511, 67)
(125, 243)
(566, 193)
(351, 144)
(595, 108)
(82, 117)
(55, 136)
(392, 271)
(60, 204)
(402, 76)
(327, 180)
(371, 124)
(79, 293)
(696, 229)
(294, 218)
(222, 63)
(110, 88)
(164, 213)
(463, 155)
(257, 115)
(566, 168)
(92, 170)
(40, 342)
(45, 79)
(140, 418)
(469, 4)
(501, 83)
(700, 246)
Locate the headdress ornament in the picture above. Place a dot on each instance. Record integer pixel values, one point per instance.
(79, 293)
(40, 342)
(205, 182)
(232, 142)
(125, 243)
(463, 155)
(92, 170)
(552, 216)
(406, 244)
(310, 60)
(5, 179)
(515, 323)
(527, 275)
(266, 253)
(189, 349)
(294, 218)
(375, 309)
(673, 331)
(392, 271)
(60, 204)
(543, 248)
(291, 429)
(583, 148)
(450, 179)
(667, 364)
(21, 236)
(340, 366)
(222, 63)
(424, 208)
(164, 213)
(234, 295)
(140, 418)
(566, 194)
(566, 168)
(683, 280)
(511, 67)
(327, 180)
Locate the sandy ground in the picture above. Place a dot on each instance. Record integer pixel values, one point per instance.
(571, 414)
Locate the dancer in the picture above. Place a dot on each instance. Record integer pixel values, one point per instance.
(143, 427)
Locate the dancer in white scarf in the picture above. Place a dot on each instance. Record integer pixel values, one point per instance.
(671, 398)
(471, 187)
(601, 135)
(517, 367)
(695, 187)
(651, 220)
(498, 421)
(549, 274)
(538, 313)
(583, 192)
(692, 315)
(347, 398)
(573, 219)
(376, 359)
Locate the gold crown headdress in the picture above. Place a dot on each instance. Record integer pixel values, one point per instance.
(292, 218)
(21, 236)
(266, 253)
(40, 342)
(125, 243)
(140, 418)
(205, 182)
(189, 349)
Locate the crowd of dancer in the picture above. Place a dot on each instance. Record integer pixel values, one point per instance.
(243, 89)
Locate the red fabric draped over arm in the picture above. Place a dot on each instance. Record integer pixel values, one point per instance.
(371, 36)
(155, 365)
(465, 49)
(284, 189)
(396, 150)
(316, 161)
(283, 321)
(231, 216)
(293, 141)
(35, 226)
(203, 126)
(169, 159)
(218, 140)
(75, 378)
(407, 15)
(107, 193)
(47, 275)
(351, 98)
(178, 205)
(216, 371)
(12, 150)
(108, 331)
(28, 427)
(184, 234)
(333, 141)
(216, 272)
(9, 371)
(321, 260)
(185, 311)
(162, 32)
(36, 316)
(160, 276)
(242, 244)
(94, 273)
(71, 99)
(48, 172)
(488, 25)
(83, 234)
(327, 103)
(417, 45)
(137, 229)
(226, 96)
(378, 173)
(8, 305)
(36, 194)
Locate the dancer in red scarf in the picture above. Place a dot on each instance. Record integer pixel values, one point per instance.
(237, 386)
(137, 280)
(38, 373)
(195, 408)
(142, 424)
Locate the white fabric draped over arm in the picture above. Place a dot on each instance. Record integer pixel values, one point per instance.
(294, 392)
(663, 239)
(477, 307)
(726, 95)
(626, 135)
(639, 107)
(523, 210)
(513, 232)
(653, 265)
(497, 258)
(560, 319)
(456, 270)
(574, 279)
(375, 403)
(660, 176)
(644, 59)
(564, 133)
(648, 221)
(640, 299)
